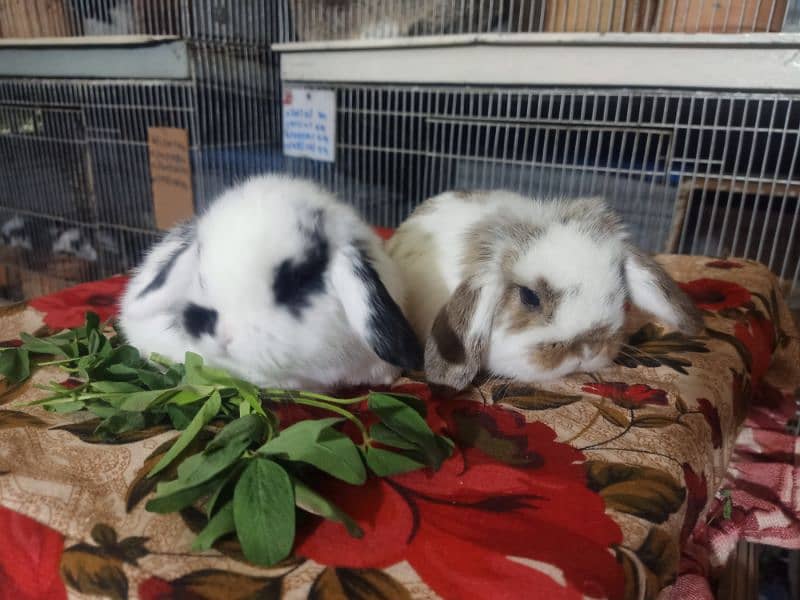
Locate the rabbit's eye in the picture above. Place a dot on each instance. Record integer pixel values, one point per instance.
(529, 298)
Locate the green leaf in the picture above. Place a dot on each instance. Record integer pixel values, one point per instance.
(121, 422)
(203, 417)
(154, 380)
(67, 407)
(193, 363)
(220, 524)
(249, 394)
(179, 417)
(225, 491)
(42, 345)
(216, 376)
(102, 410)
(310, 501)
(316, 442)
(15, 365)
(408, 424)
(115, 387)
(383, 435)
(249, 428)
(190, 395)
(96, 341)
(184, 497)
(264, 513)
(202, 467)
(385, 463)
(127, 356)
(120, 371)
(92, 323)
(417, 404)
(141, 401)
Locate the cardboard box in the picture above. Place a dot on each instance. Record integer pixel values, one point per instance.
(34, 18)
(720, 16)
(600, 15)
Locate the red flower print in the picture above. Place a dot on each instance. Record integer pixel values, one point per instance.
(30, 554)
(68, 307)
(758, 336)
(772, 408)
(155, 588)
(71, 383)
(696, 499)
(11, 344)
(711, 416)
(509, 494)
(724, 264)
(715, 294)
(383, 232)
(629, 396)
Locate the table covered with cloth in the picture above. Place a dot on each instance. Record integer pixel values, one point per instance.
(601, 485)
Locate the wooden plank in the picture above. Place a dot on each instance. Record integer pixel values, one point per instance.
(729, 184)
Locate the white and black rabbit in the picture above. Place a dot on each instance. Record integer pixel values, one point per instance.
(281, 285)
(523, 288)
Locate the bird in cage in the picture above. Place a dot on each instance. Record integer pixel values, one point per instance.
(526, 289)
(280, 284)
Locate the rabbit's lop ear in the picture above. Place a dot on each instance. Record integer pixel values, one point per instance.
(371, 310)
(459, 337)
(654, 291)
(166, 272)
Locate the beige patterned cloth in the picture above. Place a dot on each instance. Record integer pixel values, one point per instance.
(654, 434)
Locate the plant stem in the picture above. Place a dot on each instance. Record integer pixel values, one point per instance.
(313, 396)
(339, 411)
(56, 362)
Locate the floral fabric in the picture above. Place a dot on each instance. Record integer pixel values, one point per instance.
(595, 486)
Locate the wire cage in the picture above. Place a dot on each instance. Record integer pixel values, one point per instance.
(690, 171)
(711, 173)
(75, 188)
(315, 21)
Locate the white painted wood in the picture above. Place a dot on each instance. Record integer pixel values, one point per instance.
(165, 58)
(86, 40)
(750, 61)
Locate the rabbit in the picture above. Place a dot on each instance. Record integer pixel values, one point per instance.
(279, 284)
(76, 242)
(32, 236)
(524, 288)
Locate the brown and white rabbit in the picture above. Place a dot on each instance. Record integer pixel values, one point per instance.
(523, 288)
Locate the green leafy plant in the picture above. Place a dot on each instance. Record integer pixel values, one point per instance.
(253, 475)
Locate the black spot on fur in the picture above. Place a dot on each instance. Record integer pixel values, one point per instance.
(391, 337)
(186, 234)
(296, 282)
(198, 320)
